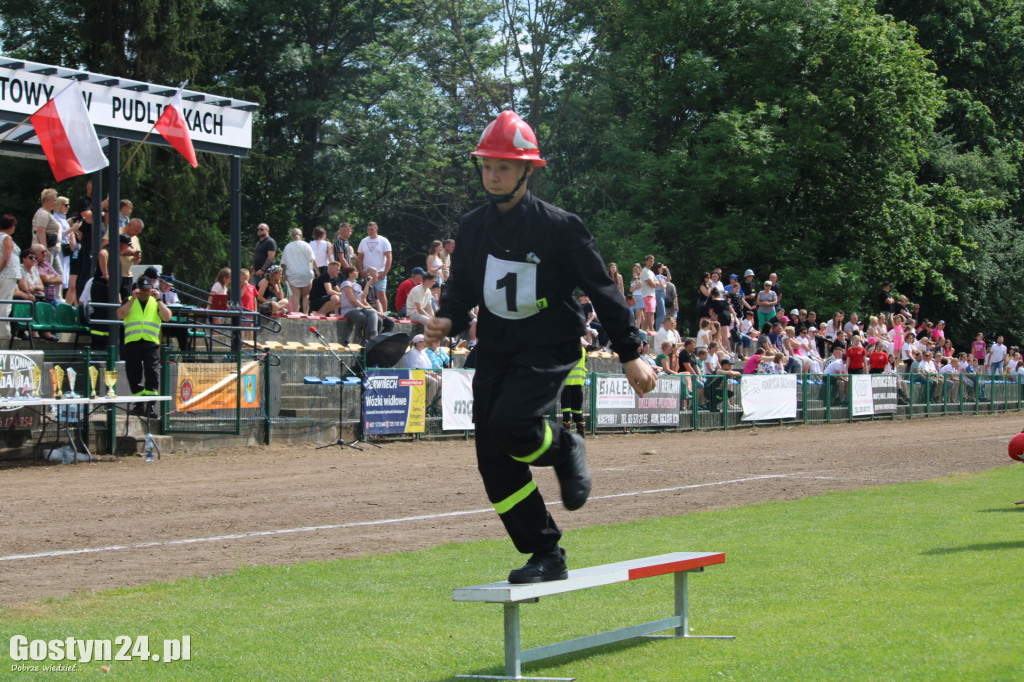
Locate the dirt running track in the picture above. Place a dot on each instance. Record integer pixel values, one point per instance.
(114, 523)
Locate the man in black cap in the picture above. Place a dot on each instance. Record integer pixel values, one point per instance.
(143, 313)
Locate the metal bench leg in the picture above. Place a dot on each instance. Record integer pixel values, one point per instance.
(513, 659)
(683, 609)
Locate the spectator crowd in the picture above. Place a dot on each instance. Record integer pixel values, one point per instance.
(743, 325)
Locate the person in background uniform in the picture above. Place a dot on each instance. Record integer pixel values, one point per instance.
(142, 314)
(520, 260)
(572, 397)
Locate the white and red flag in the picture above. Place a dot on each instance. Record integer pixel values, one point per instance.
(172, 126)
(67, 136)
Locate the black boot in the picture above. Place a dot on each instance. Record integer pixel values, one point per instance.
(541, 568)
(581, 429)
(573, 477)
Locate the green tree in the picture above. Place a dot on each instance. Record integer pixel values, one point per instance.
(780, 136)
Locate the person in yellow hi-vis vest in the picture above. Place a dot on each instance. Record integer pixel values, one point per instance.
(143, 313)
(572, 396)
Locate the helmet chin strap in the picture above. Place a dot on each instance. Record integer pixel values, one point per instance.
(500, 198)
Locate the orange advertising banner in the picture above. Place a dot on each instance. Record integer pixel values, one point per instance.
(214, 386)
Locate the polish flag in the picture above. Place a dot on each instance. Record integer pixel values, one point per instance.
(67, 136)
(171, 125)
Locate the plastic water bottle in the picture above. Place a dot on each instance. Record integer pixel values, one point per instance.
(150, 447)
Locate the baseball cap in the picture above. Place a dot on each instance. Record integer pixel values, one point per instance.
(734, 276)
(418, 338)
(145, 282)
(794, 312)
(419, 271)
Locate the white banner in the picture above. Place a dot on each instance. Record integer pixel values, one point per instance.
(862, 403)
(457, 399)
(23, 92)
(618, 405)
(768, 396)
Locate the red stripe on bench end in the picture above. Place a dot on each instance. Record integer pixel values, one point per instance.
(676, 566)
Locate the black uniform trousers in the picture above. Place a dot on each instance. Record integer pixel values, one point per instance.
(142, 367)
(572, 404)
(513, 392)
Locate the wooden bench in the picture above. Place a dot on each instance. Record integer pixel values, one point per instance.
(679, 564)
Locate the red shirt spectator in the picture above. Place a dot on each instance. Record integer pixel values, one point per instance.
(855, 356)
(878, 360)
(405, 287)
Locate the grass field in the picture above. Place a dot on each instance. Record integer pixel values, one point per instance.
(916, 581)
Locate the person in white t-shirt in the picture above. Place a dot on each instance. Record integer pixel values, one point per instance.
(418, 304)
(299, 264)
(648, 287)
(996, 355)
(375, 252)
(668, 333)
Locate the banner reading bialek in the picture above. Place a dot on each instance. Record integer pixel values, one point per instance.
(395, 401)
(618, 405)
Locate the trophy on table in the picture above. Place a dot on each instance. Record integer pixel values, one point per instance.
(72, 375)
(94, 378)
(57, 377)
(110, 379)
(37, 380)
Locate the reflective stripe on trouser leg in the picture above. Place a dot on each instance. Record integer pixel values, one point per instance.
(544, 446)
(515, 498)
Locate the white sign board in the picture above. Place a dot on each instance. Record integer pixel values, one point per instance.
(768, 396)
(862, 402)
(457, 399)
(113, 107)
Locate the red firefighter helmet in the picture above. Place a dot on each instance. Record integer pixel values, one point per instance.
(1017, 447)
(509, 137)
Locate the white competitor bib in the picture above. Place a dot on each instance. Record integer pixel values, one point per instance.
(510, 289)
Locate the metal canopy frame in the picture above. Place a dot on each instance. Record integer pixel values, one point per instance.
(25, 86)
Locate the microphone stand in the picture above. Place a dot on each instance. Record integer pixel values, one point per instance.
(341, 401)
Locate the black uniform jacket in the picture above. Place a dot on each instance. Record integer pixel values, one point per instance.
(522, 268)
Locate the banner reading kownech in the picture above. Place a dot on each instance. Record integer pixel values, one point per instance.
(395, 401)
(768, 396)
(618, 405)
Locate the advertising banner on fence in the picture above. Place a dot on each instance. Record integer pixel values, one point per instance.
(618, 405)
(18, 372)
(395, 401)
(872, 394)
(457, 399)
(862, 402)
(883, 393)
(768, 396)
(214, 386)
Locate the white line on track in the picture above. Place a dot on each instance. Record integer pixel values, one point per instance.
(358, 524)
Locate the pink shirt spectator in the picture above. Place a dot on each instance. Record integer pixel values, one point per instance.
(750, 366)
(979, 348)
